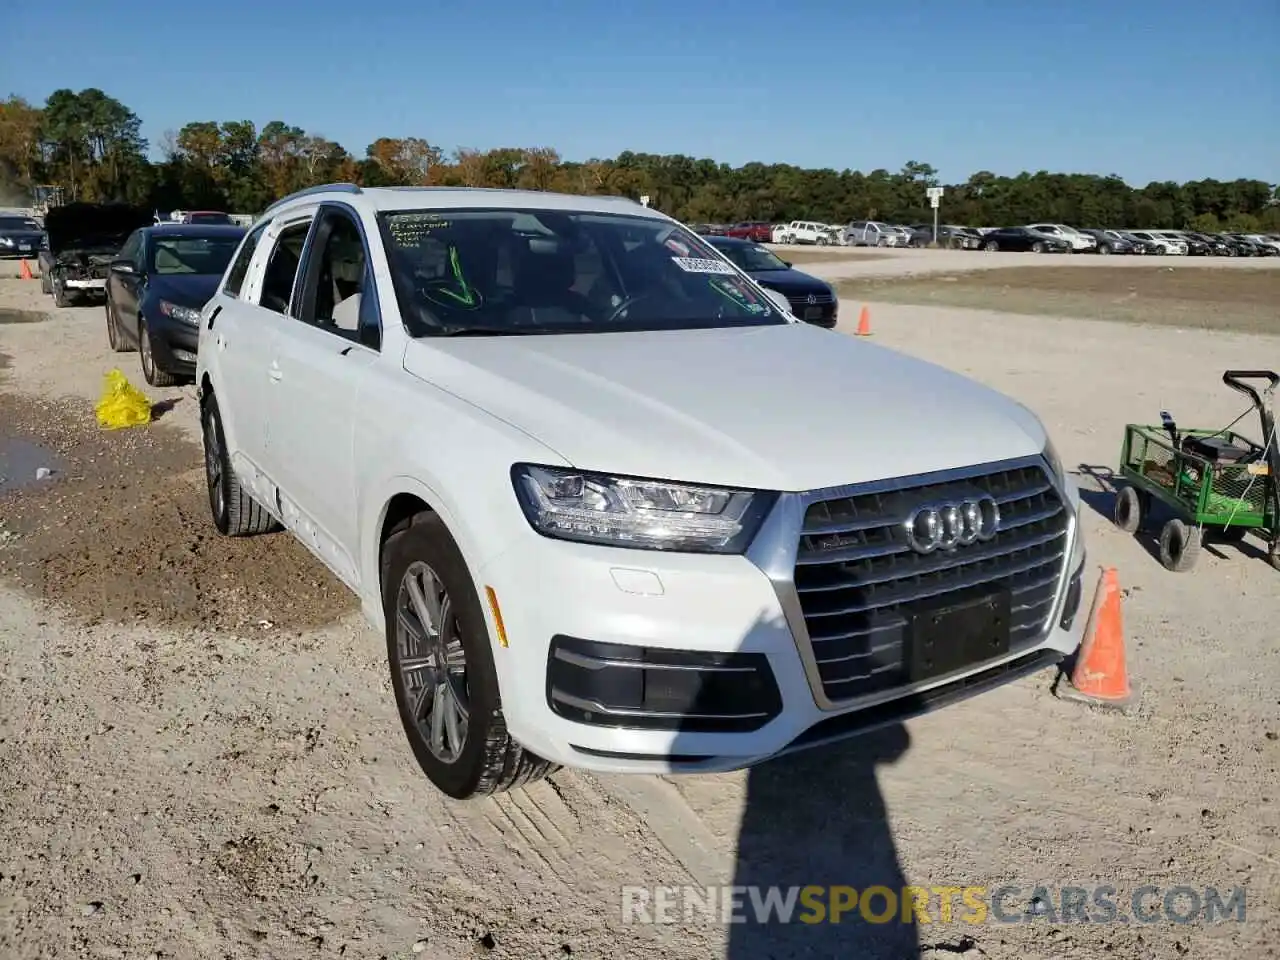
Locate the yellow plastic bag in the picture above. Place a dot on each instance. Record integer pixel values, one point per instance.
(122, 404)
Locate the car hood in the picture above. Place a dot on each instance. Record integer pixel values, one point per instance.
(81, 226)
(187, 290)
(786, 280)
(788, 407)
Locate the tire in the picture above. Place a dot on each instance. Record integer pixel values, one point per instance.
(991, 246)
(150, 369)
(235, 513)
(1179, 546)
(1273, 556)
(1129, 512)
(1037, 247)
(114, 337)
(44, 282)
(60, 298)
(475, 756)
(1105, 249)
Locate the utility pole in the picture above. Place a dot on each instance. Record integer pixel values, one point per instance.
(935, 198)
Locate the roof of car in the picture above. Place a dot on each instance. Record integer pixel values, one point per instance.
(435, 198)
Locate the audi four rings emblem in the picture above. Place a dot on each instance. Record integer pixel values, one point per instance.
(945, 526)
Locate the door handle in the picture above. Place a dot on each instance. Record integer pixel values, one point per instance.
(274, 371)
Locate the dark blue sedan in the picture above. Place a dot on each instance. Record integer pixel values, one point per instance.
(811, 299)
(159, 280)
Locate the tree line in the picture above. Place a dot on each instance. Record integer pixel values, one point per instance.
(90, 144)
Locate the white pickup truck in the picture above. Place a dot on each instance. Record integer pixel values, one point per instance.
(610, 504)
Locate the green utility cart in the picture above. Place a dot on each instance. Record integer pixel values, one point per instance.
(1214, 482)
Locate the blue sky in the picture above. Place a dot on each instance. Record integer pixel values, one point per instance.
(1148, 90)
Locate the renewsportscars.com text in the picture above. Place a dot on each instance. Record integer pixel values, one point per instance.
(972, 905)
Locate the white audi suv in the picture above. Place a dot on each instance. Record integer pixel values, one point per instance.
(609, 503)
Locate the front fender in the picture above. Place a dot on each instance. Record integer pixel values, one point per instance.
(454, 458)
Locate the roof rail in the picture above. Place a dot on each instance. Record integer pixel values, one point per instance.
(318, 188)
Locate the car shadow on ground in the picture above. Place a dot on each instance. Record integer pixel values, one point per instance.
(817, 819)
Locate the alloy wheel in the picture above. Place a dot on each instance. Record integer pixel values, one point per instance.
(432, 662)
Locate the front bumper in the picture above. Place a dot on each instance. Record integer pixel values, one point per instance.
(173, 343)
(584, 622)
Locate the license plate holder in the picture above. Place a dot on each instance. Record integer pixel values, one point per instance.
(950, 636)
(813, 313)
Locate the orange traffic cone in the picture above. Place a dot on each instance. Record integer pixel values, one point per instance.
(24, 271)
(864, 322)
(1100, 675)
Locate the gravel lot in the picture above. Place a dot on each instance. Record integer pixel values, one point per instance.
(199, 755)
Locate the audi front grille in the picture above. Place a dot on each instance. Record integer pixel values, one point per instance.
(859, 579)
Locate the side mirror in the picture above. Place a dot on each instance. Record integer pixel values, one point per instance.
(787, 264)
(779, 300)
(122, 266)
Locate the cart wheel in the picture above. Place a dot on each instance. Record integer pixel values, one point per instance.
(1179, 545)
(1130, 510)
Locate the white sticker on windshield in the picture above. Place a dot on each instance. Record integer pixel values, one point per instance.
(695, 265)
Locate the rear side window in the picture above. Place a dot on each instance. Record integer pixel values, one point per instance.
(240, 266)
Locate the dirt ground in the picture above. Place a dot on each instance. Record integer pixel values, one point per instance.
(199, 756)
(1164, 294)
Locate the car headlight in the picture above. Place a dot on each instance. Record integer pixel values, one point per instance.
(568, 504)
(1050, 454)
(178, 312)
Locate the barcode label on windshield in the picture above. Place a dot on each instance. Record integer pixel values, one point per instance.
(694, 265)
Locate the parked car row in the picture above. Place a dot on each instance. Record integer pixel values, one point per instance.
(153, 277)
(1035, 237)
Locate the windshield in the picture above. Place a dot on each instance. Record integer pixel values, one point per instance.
(498, 272)
(751, 259)
(171, 256)
(18, 224)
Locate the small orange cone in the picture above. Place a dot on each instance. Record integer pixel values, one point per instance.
(1101, 675)
(24, 271)
(864, 322)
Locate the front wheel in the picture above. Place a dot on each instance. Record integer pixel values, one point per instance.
(1129, 512)
(442, 669)
(1037, 247)
(150, 369)
(991, 246)
(1105, 249)
(1179, 545)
